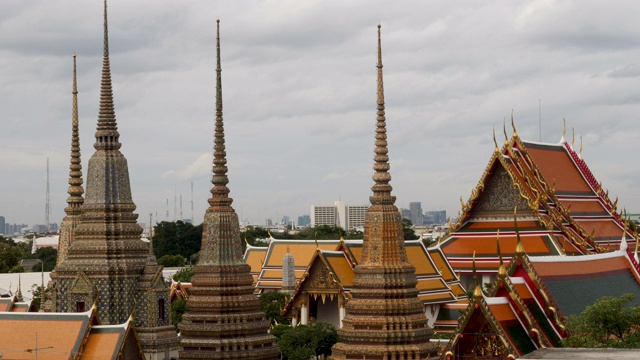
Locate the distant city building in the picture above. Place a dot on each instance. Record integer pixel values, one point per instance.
(416, 213)
(268, 222)
(286, 220)
(324, 215)
(340, 214)
(304, 220)
(406, 213)
(3, 229)
(435, 217)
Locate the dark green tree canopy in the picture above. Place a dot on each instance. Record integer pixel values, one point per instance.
(609, 323)
(304, 341)
(176, 238)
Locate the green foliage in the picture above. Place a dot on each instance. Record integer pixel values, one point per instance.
(407, 229)
(176, 238)
(38, 295)
(12, 252)
(171, 261)
(184, 275)
(609, 323)
(272, 303)
(17, 269)
(178, 308)
(48, 256)
(304, 341)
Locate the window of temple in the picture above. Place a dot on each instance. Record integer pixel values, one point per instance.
(161, 313)
(80, 306)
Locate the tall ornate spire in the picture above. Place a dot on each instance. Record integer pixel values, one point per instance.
(384, 318)
(75, 199)
(224, 320)
(107, 136)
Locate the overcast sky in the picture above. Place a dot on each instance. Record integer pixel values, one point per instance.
(299, 88)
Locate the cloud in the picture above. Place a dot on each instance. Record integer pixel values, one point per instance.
(200, 167)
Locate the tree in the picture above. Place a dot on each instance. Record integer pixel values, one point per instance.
(48, 256)
(305, 341)
(178, 307)
(171, 261)
(184, 275)
(610, 322)
(39, 296)
(272, 303)
(176, 238)
(407, 228)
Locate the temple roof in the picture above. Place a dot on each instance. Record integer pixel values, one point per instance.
(64, 336)
(541, 291)
(561, 207)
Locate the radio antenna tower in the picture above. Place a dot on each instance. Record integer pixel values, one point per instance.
(181, 208)
(47, 206)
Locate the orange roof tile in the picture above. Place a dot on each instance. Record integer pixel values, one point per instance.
(302, 251)
(589, 266)
(584, 207)
(486, 245)
(342, 270)
(64, 333)
(103, 343)
(555, 163)
(254, 256)
(604, 229)
(431, 284)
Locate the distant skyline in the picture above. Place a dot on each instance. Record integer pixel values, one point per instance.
(299, 91)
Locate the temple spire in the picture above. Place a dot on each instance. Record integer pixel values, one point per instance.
(220, 191)
(381, 189)
(75, 200)
(107, 136)
(224, 320)
(384, 317)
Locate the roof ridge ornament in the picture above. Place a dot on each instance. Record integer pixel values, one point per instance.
(504, 130)
(519, 246)
(477, 291)
(564, 130)
(494, 139)
(502, 270)
(513, 125)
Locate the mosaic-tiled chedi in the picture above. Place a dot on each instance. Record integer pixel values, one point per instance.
(384, 318)
(224, 320)
(75, 199)
(107, 259)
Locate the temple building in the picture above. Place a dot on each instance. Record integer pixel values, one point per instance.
(562, 209)
(527, 305)
(63, 336)
(324, 273)
(224, 320)
(384, 318)
(104, 261)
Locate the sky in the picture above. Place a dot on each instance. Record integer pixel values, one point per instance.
(299, 94)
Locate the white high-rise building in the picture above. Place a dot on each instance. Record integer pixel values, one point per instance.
(341, 214)
(323, 215)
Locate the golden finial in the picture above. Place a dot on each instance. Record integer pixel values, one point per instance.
(315, 238)
(245, 241)
(495, 142)
(504, 130)
(564, 129)
(133, 311)
(288, 248)
(580, 152)
(635, 236)
(615, 204)
(519, 245)
(573, 136)
(513, 125)
(477, 292)
(502, 270)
